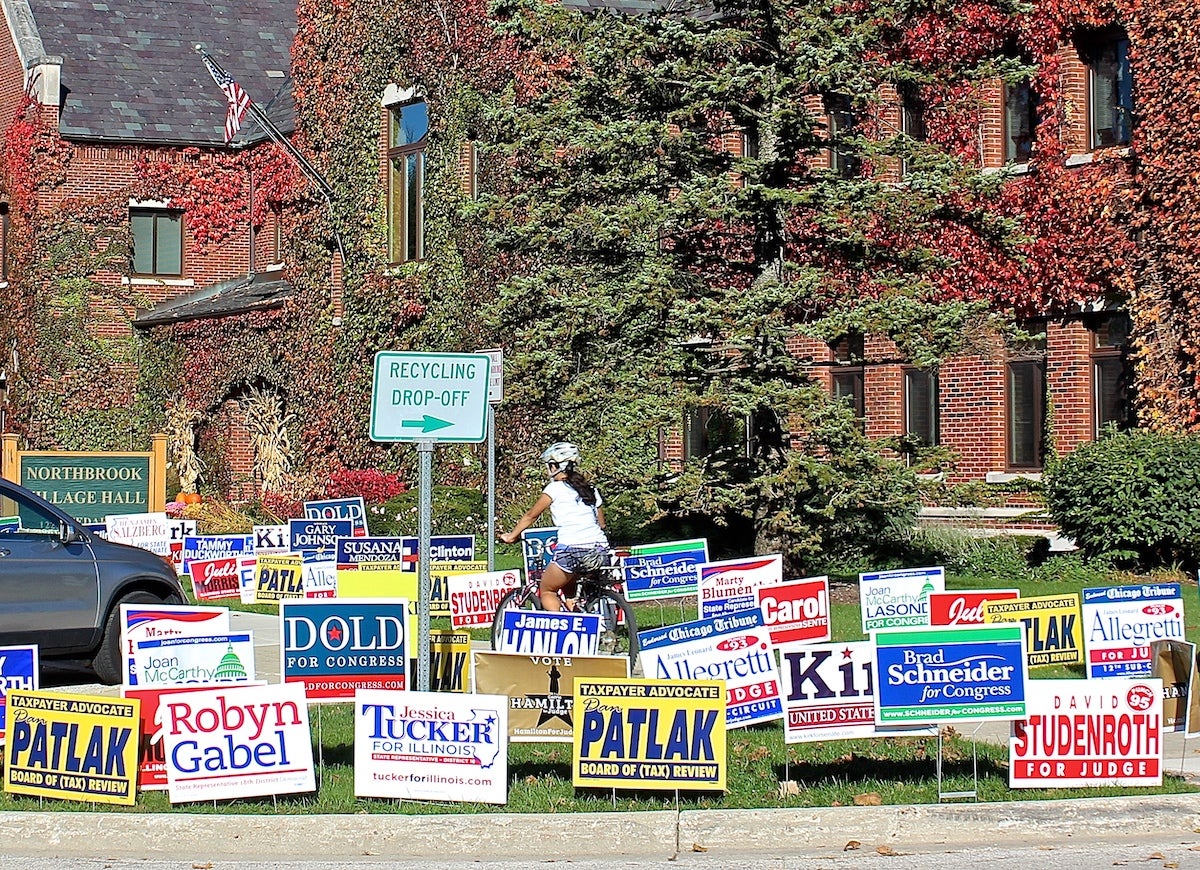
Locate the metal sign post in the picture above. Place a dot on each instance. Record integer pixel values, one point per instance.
(495, 397)
(427, 398)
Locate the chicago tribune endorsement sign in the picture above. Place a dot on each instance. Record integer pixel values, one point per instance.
(958, 674)
(1082, 733)
(1120, 623)
(649, 734)
(431, 746)
(71, 747)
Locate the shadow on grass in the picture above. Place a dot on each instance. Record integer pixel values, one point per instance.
(854, 768)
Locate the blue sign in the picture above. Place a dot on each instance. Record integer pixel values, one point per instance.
(337, 647)
(355, 551)
(317, 536)
(538, 547)
(452, 548)
(215, 547)
(352, 509)
(539, 632)
(962, 674)
(666, 574)
(18, 670)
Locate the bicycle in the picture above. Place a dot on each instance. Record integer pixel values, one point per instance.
(594, 594)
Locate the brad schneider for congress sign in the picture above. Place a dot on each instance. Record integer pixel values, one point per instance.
(960, 674)
(337, 647)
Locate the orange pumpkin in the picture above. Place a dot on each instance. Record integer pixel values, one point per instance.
(179, 496)
(192, 498)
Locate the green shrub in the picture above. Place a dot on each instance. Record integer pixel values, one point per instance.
(1003, 557)
(1131, 498)
(457, 510)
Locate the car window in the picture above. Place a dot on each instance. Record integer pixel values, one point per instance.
(20, 515)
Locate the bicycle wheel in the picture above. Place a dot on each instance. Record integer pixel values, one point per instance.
(617, 636)
(521, 598)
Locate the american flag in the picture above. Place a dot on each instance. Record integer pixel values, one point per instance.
(239, 101)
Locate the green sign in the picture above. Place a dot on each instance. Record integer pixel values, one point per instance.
(430, 396)
(90, 486)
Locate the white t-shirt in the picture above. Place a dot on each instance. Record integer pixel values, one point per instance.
(577, 522)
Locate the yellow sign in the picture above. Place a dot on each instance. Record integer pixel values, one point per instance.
(377, 580)
(439, 583)
(72, 747)
(1053, 628)
(663, 734)
(449, 661)
(277, 577)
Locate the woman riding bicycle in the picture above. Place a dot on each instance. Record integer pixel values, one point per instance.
(575, 508)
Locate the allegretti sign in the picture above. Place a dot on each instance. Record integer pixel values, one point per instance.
(91, 486)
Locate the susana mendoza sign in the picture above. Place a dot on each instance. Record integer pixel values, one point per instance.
(662, 734)
(1089, 733)
(431, 746)
(957, 674)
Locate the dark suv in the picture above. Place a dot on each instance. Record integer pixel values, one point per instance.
(61, 586)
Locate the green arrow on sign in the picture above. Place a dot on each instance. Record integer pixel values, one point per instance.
(426, 424)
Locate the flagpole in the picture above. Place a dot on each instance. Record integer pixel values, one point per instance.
(283, 142)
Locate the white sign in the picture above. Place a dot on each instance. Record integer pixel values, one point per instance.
(728, 587)
(150, 531)
(475, 597)
(1082, 733)
(181, 661)
(237, 742)
(496, 379)
(247, 567)
(149, 622)
(430, 396)
(1120, 623)
(898, 599)
(318, 575)
(431, 746)
(271, 539)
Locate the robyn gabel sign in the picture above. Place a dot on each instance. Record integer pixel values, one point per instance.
(237, 742)
(1084, 733)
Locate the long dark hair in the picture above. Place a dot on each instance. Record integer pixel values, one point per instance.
(579, 483)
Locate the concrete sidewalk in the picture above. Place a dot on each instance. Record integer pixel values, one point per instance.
(909, 830)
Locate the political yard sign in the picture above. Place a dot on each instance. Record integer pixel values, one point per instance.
(377, 567)
(18, 670)
(431, 746)
(727, 587)
(898, 599)
(537, 546)
(1120, 623)
(237, 742)
(214, 579)
(657, 734)
(439, 582)
(449, 661)
(316, 535)
(950, 674)
(666, 570)
(475, 597)
(964, 607)
(829, 694)
(540, 689)
(734, 648)
(175, 661)
(797, 610)
(140, 622)
(1082, 733)
(352, 510)
(1053, 631)
(278, 577)
(539, 632)
(214, 547)
(334, 648)
(72, 747)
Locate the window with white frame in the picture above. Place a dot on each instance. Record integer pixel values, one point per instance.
(157, 241)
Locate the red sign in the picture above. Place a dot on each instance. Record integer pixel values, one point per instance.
(797, 610)
(152, 755)
(213, 579)
(964, 608)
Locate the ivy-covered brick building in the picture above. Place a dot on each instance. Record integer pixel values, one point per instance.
(700, 235)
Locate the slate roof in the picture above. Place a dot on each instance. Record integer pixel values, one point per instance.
(261, 291)
(130, 73)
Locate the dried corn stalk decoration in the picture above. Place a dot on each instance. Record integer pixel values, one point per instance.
(267, 425)
(181, 444)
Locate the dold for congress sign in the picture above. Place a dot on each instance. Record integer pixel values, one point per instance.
(334, 648)
(72, 747)
(650, 734)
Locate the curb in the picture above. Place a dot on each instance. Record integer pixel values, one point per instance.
(663, 833)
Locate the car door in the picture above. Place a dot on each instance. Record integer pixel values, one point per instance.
(49, 589)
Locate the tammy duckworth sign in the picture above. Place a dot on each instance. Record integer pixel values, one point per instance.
(656, 734)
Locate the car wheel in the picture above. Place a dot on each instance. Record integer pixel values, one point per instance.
(109, 663)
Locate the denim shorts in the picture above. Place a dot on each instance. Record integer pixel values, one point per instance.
(575, 560)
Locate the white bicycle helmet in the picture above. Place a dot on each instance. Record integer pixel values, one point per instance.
(562, 453)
